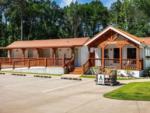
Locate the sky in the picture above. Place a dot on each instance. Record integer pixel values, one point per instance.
(63, 3)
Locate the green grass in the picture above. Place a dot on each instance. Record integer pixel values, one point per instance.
(30, 73)
(118, 78)
(133, 91)
(126, 78)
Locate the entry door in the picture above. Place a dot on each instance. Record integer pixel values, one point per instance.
(116, 55)
(92, 57)
(98, 57)
(77, 57)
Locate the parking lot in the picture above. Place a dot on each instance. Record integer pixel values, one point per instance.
(40, 95)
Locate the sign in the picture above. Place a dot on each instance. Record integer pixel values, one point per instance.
(100, 79)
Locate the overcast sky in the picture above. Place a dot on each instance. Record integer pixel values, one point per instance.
(63, 3)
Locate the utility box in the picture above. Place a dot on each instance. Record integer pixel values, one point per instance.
(107, 78)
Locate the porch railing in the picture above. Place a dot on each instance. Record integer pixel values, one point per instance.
(114, 63)
(32, 62)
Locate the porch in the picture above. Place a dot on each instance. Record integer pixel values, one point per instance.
(126, 57)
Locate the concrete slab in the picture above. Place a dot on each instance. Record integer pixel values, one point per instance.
(38, 95)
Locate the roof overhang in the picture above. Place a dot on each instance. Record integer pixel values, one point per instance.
(115, 30)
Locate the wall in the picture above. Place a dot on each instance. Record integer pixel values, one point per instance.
(130, 73)
(146, 57)
(64, 51)
(84, 55)
(48, 70)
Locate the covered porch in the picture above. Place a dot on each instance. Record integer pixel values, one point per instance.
(65, 53)
(125, 57)
(117, 49)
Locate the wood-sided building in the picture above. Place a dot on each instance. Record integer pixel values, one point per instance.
(111, 48)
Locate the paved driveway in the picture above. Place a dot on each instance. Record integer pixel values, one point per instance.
(36, 95)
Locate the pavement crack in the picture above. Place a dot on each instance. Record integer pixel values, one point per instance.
(83, 104)
(138, 107)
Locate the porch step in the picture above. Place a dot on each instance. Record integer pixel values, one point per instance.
(77, 70)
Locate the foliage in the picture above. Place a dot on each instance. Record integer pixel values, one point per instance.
(44, 19)
(131, 91)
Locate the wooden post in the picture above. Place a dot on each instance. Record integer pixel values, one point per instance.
(120, 56)
(38, 52)
(54, 56)
(9, 53)
(28, 63)
(45, 62)
(137, 57)
(0, 65)
(13, 65)
(63, 61)
(23, 53)
(103, 59)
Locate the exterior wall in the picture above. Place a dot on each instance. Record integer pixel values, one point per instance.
(131, 73)
(64, 51)
(146, 57)
(84, 54)
(81, 55)
(48, 70)
(16, 53)
(98, 56)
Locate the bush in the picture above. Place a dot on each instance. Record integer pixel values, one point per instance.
(146, 72)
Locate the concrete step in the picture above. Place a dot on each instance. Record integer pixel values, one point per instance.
(77, 70)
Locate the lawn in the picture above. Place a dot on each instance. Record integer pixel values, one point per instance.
(13, 72)
(132, 91)
(118, 78)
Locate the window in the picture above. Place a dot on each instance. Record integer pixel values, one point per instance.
(131, 53)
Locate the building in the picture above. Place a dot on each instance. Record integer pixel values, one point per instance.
(111, 48)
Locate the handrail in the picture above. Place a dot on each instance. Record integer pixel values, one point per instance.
(86, 66)
(70, 64)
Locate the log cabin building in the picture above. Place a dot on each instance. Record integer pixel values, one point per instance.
(111, 48)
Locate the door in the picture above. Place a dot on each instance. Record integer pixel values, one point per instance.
(77, 57)
(98, 57)
(92, 57)
(116, 55)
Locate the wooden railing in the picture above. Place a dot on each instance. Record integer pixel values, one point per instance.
(114, 63)
(69, 64)
(86, 66)
(31, 62)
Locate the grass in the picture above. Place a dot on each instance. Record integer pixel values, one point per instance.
(88, 76)
(29, 73)
(118, 78)
(133, 91)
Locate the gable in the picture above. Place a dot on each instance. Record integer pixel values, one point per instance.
(124, 34)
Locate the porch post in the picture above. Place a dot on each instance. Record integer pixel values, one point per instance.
(73, 52)
(54, 56)
(23, 53)
(137, 57)
(9, 53)
(38, 52)
(120, 56)
(103, 60)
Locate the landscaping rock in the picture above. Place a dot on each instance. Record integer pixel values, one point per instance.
(18, 74)
(71, 77)
(43, 76)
